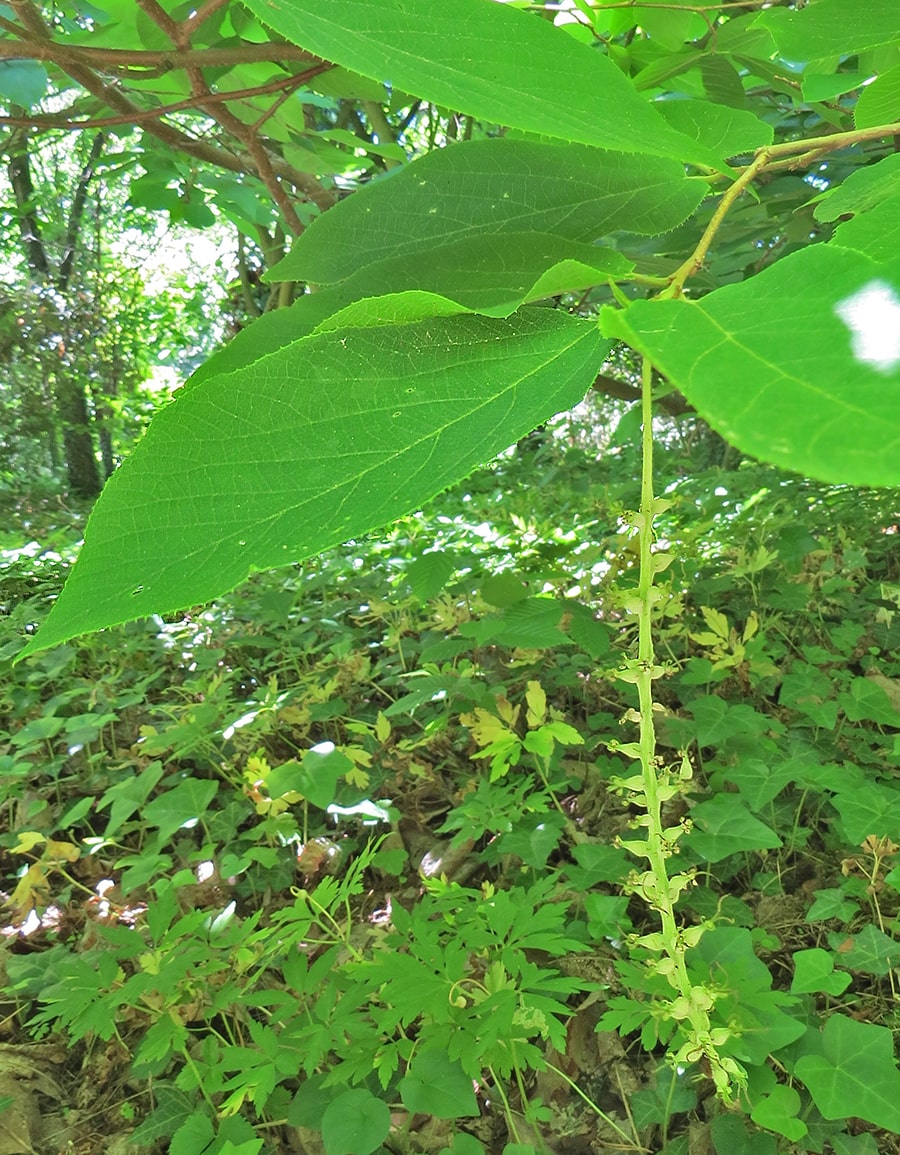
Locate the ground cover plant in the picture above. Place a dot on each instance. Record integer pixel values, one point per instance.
(567, 833)
(338, 863)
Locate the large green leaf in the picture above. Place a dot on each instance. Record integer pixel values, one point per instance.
(855, 1075)
(320, 441)
(485, 59)
(799, 365)
(488, 187)
(832, 27)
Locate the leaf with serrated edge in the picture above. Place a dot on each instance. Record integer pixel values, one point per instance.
(487, 60)
(320, 441)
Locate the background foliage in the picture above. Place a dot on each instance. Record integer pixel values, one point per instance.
(349, 861)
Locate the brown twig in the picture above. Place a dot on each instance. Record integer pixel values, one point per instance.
(63, 121)
(203, 13)
(168, 60)
(251, 142)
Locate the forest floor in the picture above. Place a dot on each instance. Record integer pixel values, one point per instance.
(335, 865)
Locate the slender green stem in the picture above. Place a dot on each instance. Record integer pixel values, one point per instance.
(633, 1143)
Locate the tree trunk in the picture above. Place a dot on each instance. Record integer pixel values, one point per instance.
(69, 394)
(78, 446)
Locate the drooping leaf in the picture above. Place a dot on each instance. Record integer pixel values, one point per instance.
(320, 441)
(799, 366)
(726, 131)
(490, 187)
(471, 56)
(492, 275)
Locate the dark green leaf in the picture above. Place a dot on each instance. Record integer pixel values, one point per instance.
(186, 802)
(23, 82)
(723, 825)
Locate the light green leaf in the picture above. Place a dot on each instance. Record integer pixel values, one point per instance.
(872, 194)
(832, 28)
(821, 86)
(799, 365)
(863, 190)
(778, 1111)
(393, 309)
(855, 1075)
(470, 55)
(320, 441)
(880, 102)
(490, 187)
(814, 973)
(875, 234)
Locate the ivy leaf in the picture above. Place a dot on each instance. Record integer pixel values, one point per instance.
(468, 55)
(855, 1075)
(814, 972)
(799, 366)
(723, 825)
(323, 440)
(186, 802)
(869, 950)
